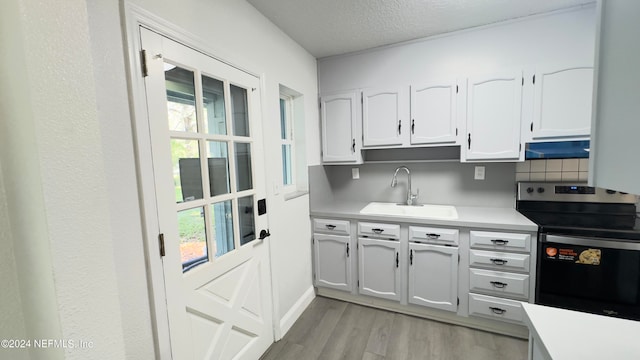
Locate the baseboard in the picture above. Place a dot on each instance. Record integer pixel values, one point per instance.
(296, 310)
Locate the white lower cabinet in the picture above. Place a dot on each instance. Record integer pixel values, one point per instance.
(379, 268)
(332, 261)
(433, 276)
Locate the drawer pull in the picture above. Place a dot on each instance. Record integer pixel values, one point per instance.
(377, 231)
(498, 284)
(499, 242)
(432, 235)
(330, 227)
(497, 310)
(498, 261)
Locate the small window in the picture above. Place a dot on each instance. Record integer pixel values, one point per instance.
(292, 143)
(287, 138)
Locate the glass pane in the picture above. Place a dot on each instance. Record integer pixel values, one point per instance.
(243, 166)
(213, 100)
(187, 177)
(247, 224)
(283, 119)
(181, 101)
(193, 239)
(286, 165)
(222, 225)
(240, 111)
(218, 158)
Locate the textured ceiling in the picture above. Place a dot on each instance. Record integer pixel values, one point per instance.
(331, 27)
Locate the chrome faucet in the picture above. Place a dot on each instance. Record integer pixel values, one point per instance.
(411, 197)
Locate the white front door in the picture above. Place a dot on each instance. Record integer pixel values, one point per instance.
(208, 168)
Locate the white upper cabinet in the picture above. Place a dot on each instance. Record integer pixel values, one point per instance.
(339, 116)
(384, 117)
(434, 113)
(562, 102)
(494, 107)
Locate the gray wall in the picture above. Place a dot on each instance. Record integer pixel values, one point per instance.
(439, 183)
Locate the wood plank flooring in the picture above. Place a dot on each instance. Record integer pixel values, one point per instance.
(332, 329)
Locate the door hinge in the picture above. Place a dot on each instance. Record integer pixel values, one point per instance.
(143, 64)
(458, 258)
(520, 147)
(458, 301)
(161, 241)
(456, 131)
(523, 81)
(534, 79)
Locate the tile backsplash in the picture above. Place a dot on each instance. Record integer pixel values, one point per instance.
(557, 170)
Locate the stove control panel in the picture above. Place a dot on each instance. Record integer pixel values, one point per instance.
(571, 192)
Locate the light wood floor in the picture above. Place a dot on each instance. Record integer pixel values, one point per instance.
(333, 329)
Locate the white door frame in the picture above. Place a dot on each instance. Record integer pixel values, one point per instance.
(135, 17)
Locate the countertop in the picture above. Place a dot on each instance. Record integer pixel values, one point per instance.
(468, 216)
(570, 335)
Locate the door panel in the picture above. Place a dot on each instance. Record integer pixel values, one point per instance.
(384, 121)
(332, 261)
(338, 114)
(379, 273)
(205, 130)
(433, 113)
(433, 276)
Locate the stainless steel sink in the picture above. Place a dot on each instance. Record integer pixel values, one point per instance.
(443, 212)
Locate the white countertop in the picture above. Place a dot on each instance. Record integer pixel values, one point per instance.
(468, 216)
(572, 335)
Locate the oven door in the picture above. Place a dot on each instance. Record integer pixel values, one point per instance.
(600, 276)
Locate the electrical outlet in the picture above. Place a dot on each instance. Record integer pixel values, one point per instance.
(355, 173)
(479, 174)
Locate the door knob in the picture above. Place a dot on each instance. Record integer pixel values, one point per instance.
(264, 234)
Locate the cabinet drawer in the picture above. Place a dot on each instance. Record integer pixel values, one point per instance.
(499, 260)
(376, 230)
(496, 308)
(500, 241)
(432, 235)
(338, 227)
(499, 283)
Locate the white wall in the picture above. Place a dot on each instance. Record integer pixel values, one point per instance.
(54, 177)
(561, 37)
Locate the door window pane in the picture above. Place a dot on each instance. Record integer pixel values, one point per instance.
(283, 119)
(213, 101)
(240, 111)
(181, 102)
(222, 226)
(193, 238)
(218, 159)
(187, 177)
(286, 165)
(243, 166)
(247, 223)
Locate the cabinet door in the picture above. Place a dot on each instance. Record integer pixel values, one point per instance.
(494, 116)
(338, 114)
(433, 276)
(379, 273)
(434, 113)
(332, 261)
(562, 102)
(383, 117)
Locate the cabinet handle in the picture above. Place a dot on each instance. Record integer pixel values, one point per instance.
(411, 257)
(499, 242)
(413, 126)
(469, 142)
(432, 235)
(498, 261)
(397, 259)
(330, 227)
(347, 249)
(353, 145)
(497, 310)
(498, 284)
(377, 231)
(399, 127)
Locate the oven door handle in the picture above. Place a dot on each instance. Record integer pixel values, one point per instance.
(590, 241)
